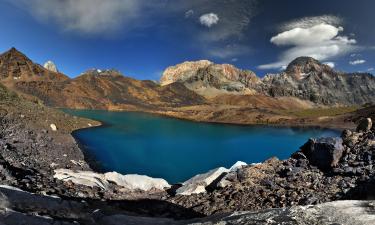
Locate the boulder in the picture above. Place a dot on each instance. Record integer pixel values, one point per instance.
(136, 182)
(324, 153)
(364, 125)
(198, 183)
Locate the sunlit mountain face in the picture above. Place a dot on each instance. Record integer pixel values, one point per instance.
(141, 38)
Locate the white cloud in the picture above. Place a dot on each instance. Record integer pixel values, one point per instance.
(320, 41)
(330, 64)
(357, 62)
(84, 16)
(189, 13)
(306, 36)
(307, 22)
(234, 59)
(370, 69)
(355, 55)
(209, 19)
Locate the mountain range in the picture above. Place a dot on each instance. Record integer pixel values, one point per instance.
(200, 90)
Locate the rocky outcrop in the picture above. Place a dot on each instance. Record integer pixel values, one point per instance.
(210, 79)
(49, 65)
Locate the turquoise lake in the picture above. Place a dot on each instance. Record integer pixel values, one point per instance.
(131, 142)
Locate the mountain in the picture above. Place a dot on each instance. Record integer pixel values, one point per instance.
(49, 65)
(307, 78)
(209, 79)
(304, 78)
(94, 89)
(15, 66)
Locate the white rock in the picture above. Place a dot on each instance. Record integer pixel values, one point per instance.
(86, 178)
(198, 183)
(92, 179)
(134, 181)
(237, 165)
(49, 65)
(53, 127)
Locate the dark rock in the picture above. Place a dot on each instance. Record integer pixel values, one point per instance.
(364, 125)
(324, 153)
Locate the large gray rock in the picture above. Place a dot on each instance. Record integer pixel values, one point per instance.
(219, 177)
(198, 183)
(324, 153)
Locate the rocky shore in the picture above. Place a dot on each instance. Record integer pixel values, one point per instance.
(45, 180)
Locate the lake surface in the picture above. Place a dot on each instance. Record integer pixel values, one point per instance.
(176, 150)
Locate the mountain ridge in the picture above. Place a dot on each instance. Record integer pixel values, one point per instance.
(304, 78)
(210, 92)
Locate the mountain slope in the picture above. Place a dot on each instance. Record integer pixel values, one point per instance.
(93, 89)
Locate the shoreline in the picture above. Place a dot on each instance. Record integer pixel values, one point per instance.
(244, 124)
(96, 164)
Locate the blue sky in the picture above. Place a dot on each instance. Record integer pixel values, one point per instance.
(141, 37)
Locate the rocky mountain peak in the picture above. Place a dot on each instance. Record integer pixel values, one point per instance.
(13, 55)
(303, 66)
(49, 65)
(15, 66)
(182, 71)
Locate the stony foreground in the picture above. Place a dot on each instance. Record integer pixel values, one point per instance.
(19, 207)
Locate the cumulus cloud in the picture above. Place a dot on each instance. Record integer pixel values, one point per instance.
(330, 64)
(370, 69)
(209, 19)
(306, 36)
(84, 16)
(357, 62)
(321, 41)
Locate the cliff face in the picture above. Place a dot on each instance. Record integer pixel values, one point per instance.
(304, 78)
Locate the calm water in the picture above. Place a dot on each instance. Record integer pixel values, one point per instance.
(176, 150)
